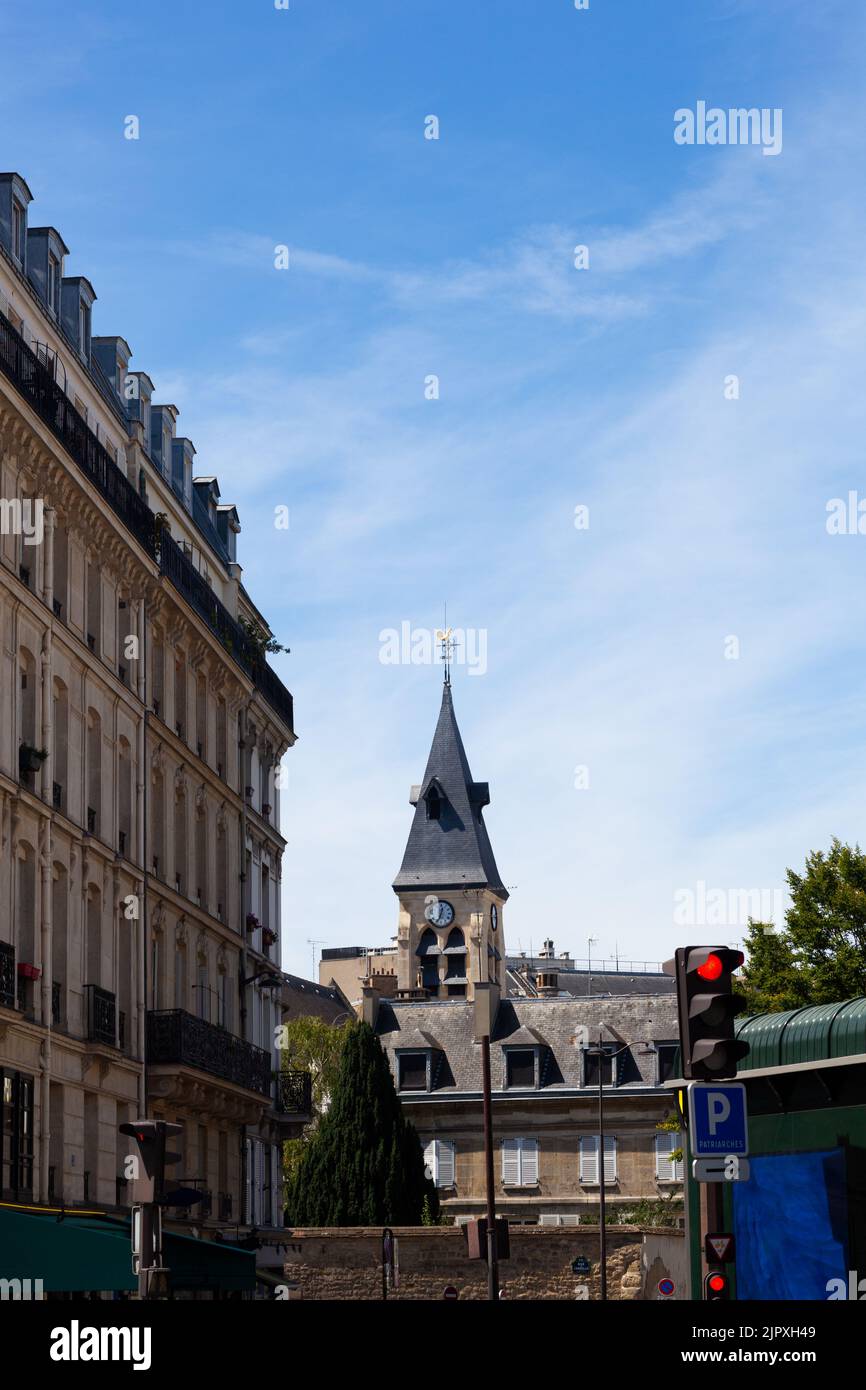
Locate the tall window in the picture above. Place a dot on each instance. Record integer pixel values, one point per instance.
(157, 827)
(180, 850)
(60, 939)
(124, 797)
(28, 946)
(61, 744)
(519, 1162)
(201, 873)
(222, 874)
(180, 976)
(203, 992)
(16, 1133)
(52, 283)
(180, 695)
(27, 682)
(94, 773)
(61, 569)
(94, 937)
(94, 608)
(201, 716)
(157, 661)
(221, 741)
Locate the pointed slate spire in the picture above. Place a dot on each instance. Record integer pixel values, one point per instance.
(448, 845)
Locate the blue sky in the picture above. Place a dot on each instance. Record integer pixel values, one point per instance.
(558, 388)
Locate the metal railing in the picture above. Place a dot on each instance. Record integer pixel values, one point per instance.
(175, 1036)
(101, 1015)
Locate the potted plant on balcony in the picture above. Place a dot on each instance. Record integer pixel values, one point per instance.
(269, 936)
(30, 759)
(253, 922)
(266, 808)
(29, 972)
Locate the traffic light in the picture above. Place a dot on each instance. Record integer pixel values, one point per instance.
(717, 1288)
(707, 1008)
(153, 1158)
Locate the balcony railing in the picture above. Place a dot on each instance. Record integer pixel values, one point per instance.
(36, 383)
(175, 1036)
(293, 1092)
(101, 1016)
(7, 975)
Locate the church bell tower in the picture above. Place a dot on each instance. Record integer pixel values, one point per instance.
(450, 934)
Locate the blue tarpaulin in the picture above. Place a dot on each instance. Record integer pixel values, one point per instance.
(791, 1225)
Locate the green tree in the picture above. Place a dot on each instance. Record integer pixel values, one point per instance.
(363, 1165)
(311, 1044)
(819, 955)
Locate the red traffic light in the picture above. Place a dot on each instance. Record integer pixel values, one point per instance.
(711, 968)
(716, 1282)
(716, 1287)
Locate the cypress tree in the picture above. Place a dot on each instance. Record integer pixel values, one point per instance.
(364, 1165)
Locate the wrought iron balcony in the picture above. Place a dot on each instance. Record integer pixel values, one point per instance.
(293, 1092)
(101, 1016)
(175, 1036)
(7, 975)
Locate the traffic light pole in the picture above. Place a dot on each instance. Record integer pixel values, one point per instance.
(492, 1253)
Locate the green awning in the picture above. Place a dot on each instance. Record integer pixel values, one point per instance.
(72, 1253)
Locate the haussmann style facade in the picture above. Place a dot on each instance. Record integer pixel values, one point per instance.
(141, 733)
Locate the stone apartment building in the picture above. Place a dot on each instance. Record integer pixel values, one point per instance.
(141, 733)
(452, 976)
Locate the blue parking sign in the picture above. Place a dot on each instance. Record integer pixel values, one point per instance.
(718, 1119)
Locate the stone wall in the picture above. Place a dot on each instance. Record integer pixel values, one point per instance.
(345, 1263)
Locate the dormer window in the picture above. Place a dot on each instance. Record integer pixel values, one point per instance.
(413, 1071)
(521, 1068)
(433, 800)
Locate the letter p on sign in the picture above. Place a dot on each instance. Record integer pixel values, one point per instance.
(718, 1110)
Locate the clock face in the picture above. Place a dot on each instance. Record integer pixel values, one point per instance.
(494, 916)
(439, 913)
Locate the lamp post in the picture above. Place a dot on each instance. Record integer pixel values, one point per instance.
(601, 1053)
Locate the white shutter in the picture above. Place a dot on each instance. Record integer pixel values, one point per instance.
(511, 1162)
(447, 1157)
(430, 1160)
(529, 1163)
(666, 1169)
(609, 1158)
(589, 1159)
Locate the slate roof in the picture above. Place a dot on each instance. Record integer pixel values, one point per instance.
(638, 1020)
(301, 998)
(579, 983)
(453, 851)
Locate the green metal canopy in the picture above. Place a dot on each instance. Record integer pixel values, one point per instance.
(73, 1252)
(819, 1032)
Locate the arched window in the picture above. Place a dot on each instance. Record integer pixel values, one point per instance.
(428, 953)
(434, 803)
(455, 955)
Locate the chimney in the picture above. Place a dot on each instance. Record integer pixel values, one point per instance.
(547, 982)
(547, 952)
(486, 1003)
(369, 1005)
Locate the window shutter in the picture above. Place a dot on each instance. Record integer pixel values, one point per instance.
(511, 1162)
(447, 1153)
(666, 1169)
(430, 1160)
(609, 1158)
(589, 1159)
(529, 1165)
